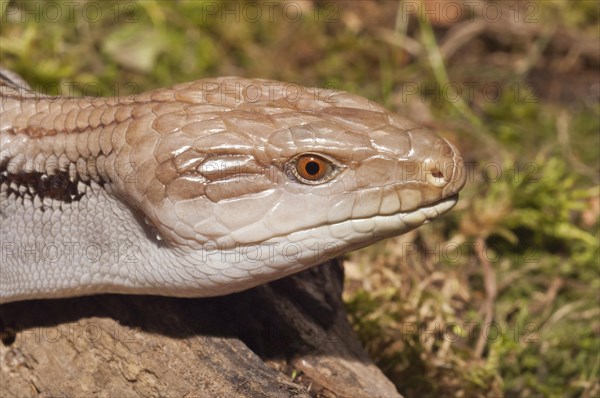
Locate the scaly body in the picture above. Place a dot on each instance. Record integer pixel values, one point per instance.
(205, 188)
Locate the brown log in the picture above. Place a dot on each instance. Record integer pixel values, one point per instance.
(289, 338)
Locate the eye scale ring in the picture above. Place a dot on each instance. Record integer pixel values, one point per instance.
(313, 169)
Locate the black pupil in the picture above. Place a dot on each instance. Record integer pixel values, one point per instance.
(312, 168)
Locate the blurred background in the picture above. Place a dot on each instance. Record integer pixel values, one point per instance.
(500, 297)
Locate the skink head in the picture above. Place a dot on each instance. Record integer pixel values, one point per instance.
(238, 163)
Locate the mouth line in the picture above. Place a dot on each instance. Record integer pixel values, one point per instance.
(439, 207)
(448, 200)
(429, 211)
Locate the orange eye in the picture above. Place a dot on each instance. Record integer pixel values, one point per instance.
(310, 168)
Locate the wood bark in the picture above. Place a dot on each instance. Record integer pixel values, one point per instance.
(289, 338)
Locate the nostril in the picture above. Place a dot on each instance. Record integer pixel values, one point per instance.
(435, 176)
